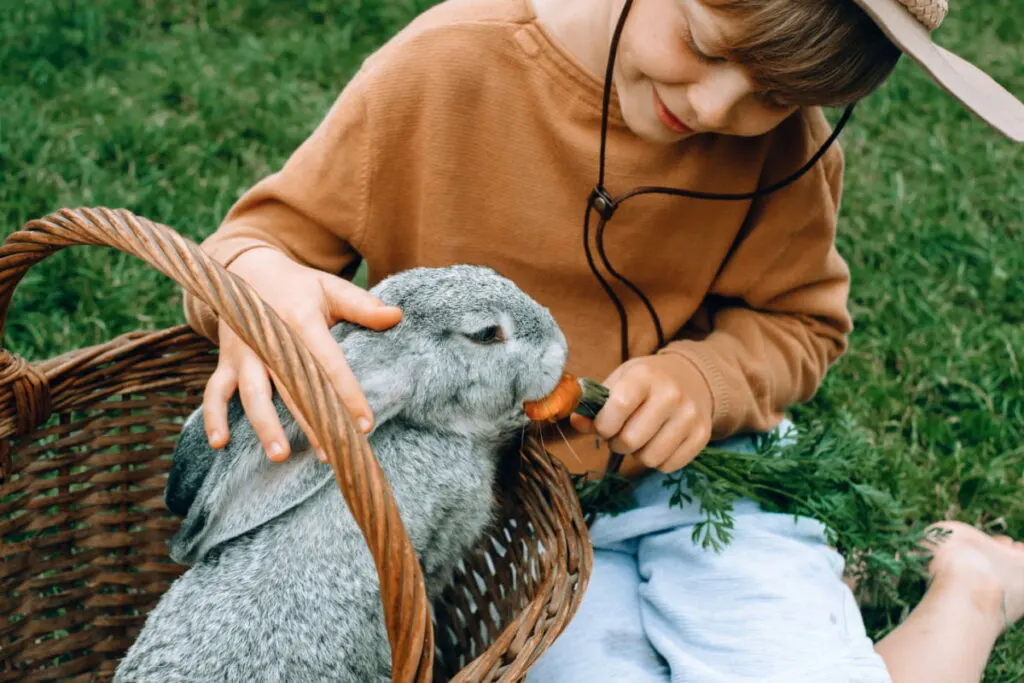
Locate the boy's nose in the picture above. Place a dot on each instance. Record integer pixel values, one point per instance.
(715, 99)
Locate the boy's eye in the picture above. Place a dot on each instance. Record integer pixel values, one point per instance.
(771, 99)
(700, 54)
(492, 334)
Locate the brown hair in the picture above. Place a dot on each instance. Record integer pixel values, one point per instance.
(809, 52)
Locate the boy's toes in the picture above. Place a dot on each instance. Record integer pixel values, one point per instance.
(970, 558)
(1009, 542)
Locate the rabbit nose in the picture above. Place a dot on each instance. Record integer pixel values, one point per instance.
(554, 356)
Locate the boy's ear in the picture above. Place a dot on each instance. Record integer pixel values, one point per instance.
(230, 492)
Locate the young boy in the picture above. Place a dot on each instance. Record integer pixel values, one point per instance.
(475, 135)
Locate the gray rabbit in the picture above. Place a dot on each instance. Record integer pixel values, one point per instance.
(282, 587)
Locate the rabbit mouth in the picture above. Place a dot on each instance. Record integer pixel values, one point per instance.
(558, 404)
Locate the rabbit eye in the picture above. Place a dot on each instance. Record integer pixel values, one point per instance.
(492, 334)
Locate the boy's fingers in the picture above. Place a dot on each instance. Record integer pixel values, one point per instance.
(257, 400)
(346, 301)
(293, 408)
(623, 400)
(684, 455)
(641, 427)
(321, 344)
(219, 390)
(664, 448)
(697, 436)
(612, 379)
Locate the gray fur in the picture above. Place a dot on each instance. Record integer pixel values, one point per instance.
(282, 586)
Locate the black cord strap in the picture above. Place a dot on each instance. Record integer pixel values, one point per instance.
(605, 204)
(602, 202)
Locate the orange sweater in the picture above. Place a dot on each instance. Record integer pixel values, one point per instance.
(472, 136)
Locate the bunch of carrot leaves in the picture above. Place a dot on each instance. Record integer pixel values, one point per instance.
(819, 471)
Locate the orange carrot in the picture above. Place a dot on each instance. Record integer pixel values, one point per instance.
(557, 405)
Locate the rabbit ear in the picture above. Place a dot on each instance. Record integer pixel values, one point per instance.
(224, 494)
(384, 370)
(193, 456)
(388, 391)
(239, 488)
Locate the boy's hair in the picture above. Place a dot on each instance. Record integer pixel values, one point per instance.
(809, 52)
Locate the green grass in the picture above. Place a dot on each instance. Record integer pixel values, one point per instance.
(172, 109)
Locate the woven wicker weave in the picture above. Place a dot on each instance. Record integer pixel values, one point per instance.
(85, 445)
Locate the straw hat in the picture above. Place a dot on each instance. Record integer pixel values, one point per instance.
(909, 24)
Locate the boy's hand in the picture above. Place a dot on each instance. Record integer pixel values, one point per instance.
(310, 302)
(659, 409)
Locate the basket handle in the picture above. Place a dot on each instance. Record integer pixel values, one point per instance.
(358, 474)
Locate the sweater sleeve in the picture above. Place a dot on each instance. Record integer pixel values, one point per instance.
(313, 209)
(776, 317)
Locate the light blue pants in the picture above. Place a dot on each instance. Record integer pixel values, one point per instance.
(771, 607)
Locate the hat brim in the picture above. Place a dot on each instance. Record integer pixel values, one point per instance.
(968, 84)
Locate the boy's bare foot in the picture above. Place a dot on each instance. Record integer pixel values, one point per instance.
(990, 569)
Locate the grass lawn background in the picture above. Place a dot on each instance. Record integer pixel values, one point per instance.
(173, 109)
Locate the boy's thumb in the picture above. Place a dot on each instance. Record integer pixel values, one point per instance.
(347, 301)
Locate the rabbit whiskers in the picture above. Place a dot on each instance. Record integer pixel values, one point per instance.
(568, 445)
(540, 433)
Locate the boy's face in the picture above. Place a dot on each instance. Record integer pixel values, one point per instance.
(671, 83)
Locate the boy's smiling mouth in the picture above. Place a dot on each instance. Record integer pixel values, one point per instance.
(667, 118)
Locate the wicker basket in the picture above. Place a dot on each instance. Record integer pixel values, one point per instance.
(85, 445)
